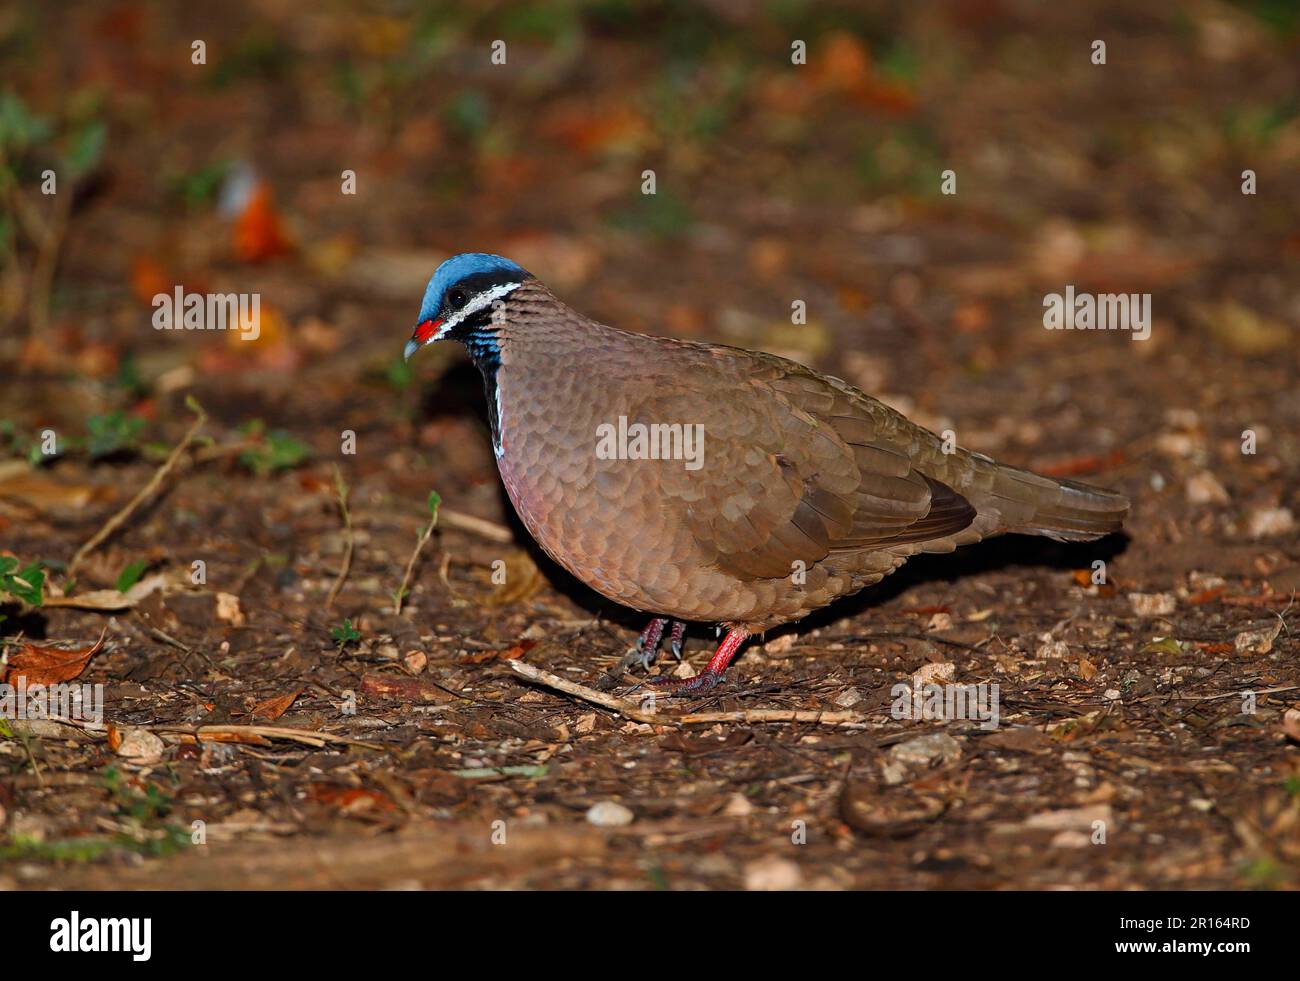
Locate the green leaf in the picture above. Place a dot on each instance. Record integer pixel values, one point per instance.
(434, 501)
(87, 149)
(27, 585)
(112, 433)
(18, 127)
(279, 451)
(131, 575)
(344, 634)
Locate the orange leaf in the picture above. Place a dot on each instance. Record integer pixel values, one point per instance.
(275, 707)
(148, 279)
(509, 654)
(51, 665)
(349, 798)
(259, 231)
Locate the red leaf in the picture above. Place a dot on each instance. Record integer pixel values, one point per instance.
(51, 665)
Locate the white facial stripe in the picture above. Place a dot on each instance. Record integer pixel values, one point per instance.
(499, 444)
(484, 299)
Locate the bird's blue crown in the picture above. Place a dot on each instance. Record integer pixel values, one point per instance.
(461, 267)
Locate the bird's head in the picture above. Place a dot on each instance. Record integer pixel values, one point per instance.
(461, 298)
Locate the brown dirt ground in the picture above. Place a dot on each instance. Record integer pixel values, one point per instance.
(1115, 178)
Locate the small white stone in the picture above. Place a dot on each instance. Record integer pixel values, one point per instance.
(1267, 522)
(1153, 604)
(772, 875)
(738, 805)
(1204, 488)
(848, 698)
(140, 746)
(609, 814)
(925, 750)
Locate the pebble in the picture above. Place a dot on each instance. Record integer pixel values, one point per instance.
(609, 814)
(772, 875)
(925, 750)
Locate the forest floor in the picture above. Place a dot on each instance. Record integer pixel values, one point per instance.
(1141, 739)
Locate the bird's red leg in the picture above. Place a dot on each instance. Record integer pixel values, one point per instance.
(711, 675)
(652, 634)
(647, 645)
(676, 638)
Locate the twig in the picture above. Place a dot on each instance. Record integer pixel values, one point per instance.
(159, 475)
(341, 490)
(477, 526)
(611, 702)
(1214, 698)
(425, 535)
(308, 737)
(847, 719)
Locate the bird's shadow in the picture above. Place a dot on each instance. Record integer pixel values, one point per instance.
(460, 392)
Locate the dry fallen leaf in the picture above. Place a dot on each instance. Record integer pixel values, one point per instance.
(402, 689)
(349, 799)
(109, 600)
(45, 494)
(50, 665)
(273, 708)
(228, 609)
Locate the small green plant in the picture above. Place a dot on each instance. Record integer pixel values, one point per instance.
(26, 584)
(77, 144)
(275, 450)
(344, 634)
(115, 432)
(435, 499)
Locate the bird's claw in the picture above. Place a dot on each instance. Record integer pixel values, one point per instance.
(703, 682)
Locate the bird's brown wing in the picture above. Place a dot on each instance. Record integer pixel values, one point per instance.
(795, 467)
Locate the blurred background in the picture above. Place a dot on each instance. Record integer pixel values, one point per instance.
(216, 148)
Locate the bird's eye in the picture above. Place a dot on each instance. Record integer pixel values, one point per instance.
(457, 299)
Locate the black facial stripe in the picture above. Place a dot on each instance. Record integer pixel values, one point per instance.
(478, 283)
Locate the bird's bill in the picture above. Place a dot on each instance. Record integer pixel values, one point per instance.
(422, 335)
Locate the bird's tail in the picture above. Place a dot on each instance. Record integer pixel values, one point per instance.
(1067, 510)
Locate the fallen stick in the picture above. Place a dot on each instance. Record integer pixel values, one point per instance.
(309, 737)
(625, 709)
(477, 526)
(115, 522)
(850, 720)
(612, 702)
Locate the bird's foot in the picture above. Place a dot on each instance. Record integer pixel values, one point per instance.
(702, 682)
(643, 653)
(711, 676)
